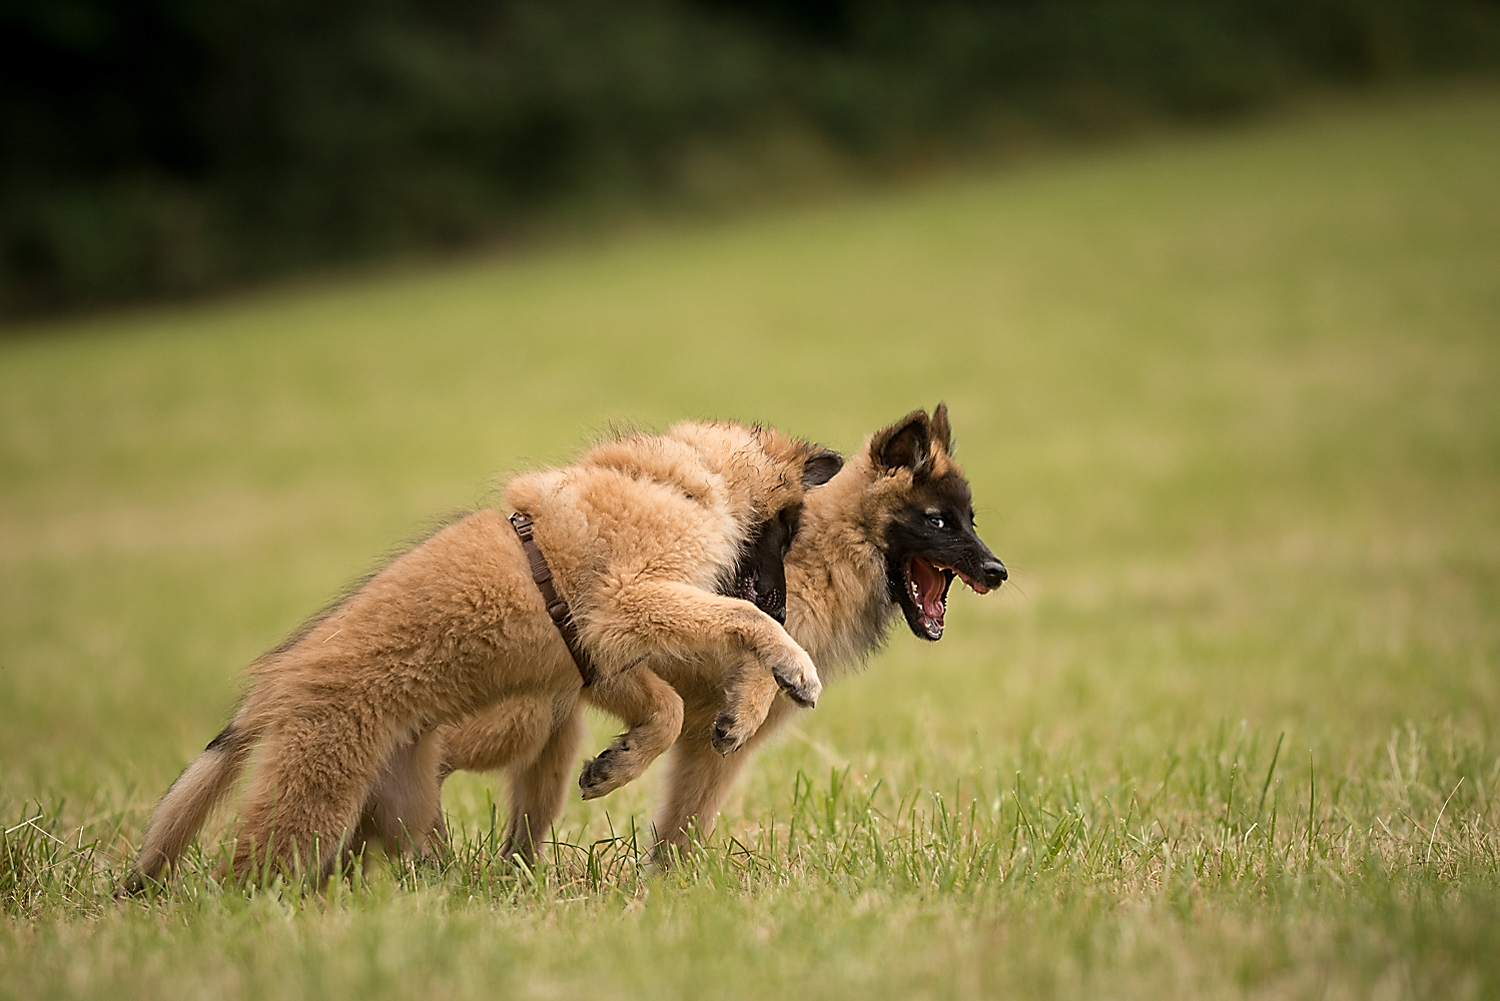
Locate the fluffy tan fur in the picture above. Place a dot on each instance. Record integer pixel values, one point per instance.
(639, 533)
(838, 608)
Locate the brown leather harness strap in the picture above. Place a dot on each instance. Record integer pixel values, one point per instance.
(556, 606)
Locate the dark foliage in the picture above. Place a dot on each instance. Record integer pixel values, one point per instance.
(161, 146)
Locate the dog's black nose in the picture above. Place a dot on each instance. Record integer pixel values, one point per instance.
(994, 574)
(779, 613)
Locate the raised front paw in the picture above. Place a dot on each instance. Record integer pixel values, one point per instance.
(731, 730)
(798, 677)
(606, 773)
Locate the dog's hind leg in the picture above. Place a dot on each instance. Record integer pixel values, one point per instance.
(314, 775)
(539, 786)
(512, 731)
(404, 806)
(653, 713)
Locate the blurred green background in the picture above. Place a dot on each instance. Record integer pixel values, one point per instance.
(169, 147)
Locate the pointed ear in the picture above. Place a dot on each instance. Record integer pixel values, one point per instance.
(940, 432)
(903, 445)
(820, 467)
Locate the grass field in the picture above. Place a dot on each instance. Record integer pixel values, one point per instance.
(1230, 404)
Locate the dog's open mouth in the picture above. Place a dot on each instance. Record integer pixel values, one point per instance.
(747, 585)
(744, 586)
(927, 584)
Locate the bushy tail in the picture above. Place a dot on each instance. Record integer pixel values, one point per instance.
(187, 804)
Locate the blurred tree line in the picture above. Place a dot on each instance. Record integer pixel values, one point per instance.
(156, 147)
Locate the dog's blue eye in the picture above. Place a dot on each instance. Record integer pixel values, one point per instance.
(936, 521)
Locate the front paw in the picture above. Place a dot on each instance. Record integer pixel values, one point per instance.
(798, 677)
(601, 775)
(730, 732)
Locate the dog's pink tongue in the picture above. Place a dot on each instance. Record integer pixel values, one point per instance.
(929, 580)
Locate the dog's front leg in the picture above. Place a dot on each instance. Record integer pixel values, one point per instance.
(404, 807)
(636, 619)
(697, 782)
(699, 777)
(748, 694)
(653, 712)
